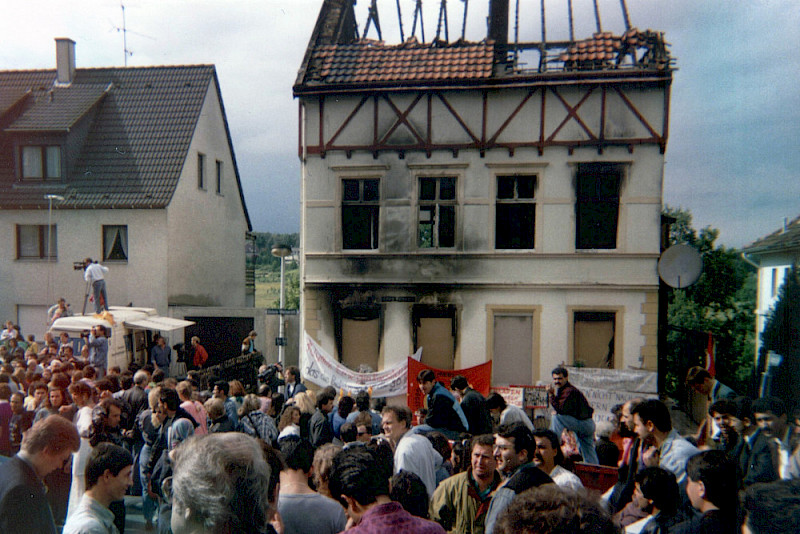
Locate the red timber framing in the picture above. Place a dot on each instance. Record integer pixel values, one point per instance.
(539, 136)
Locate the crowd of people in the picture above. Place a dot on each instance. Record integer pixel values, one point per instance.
(207, 455)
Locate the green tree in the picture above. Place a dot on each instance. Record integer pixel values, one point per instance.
(292, 298)
(782, 336)
(262, 253)
(721, 302)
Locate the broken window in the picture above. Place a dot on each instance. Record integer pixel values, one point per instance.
(594, 339)
(435, 332)
(597, 205)
(358, 325)
(437, 212)
(115, 243)
(360, 210)
(515, 212)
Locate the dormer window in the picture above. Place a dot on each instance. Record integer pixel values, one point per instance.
(41, 162)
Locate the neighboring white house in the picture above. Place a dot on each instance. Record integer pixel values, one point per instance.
(773, 255)
(454, 201)
(141, 164)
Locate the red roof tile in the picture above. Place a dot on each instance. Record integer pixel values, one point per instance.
(374, 62)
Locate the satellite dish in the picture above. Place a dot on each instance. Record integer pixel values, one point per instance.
(680, 266)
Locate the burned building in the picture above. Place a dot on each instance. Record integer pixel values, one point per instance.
(457, 200)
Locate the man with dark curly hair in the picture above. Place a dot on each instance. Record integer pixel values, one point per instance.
(550, 509)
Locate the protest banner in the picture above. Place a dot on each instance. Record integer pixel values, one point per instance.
(319, 367)
(605, 388)
(479, 377)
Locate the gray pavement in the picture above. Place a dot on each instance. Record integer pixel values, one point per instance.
(134, 520)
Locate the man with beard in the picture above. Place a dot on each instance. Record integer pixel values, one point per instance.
(623, 490)
(461, 502)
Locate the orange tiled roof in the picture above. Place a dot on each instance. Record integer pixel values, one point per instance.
(605, 48)
(368, 62)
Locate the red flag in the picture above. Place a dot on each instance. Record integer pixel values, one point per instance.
(479, 377)
(710, 363)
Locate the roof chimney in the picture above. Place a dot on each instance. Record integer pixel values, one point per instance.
(498, 32)
(65, 60)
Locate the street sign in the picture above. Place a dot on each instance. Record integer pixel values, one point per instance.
(279, 311)
(280, 341)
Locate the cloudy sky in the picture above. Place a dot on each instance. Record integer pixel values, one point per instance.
(733, 157)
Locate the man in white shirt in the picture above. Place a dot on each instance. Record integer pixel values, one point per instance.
(549, 458)
(108, 476)
(95, 274)
(507, 413)
(412, 452)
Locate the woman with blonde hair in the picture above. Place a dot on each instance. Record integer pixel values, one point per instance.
(306, 401)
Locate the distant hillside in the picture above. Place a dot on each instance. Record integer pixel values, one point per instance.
(261, 255)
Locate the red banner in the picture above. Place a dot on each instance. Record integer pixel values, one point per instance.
(478, 377)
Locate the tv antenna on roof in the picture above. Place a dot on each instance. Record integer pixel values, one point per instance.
(124, 29)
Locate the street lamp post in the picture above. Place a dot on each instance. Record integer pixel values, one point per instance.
(50, 198)
(281, 251)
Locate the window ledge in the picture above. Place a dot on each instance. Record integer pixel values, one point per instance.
(40, 184)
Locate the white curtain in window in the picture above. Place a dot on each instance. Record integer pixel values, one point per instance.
(112, 234)
(31, 162)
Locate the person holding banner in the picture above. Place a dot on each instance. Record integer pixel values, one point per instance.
(572, 411)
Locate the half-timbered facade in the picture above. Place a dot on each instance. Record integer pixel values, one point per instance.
(456, 202)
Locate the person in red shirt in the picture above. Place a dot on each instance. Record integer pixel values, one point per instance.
(200, 354)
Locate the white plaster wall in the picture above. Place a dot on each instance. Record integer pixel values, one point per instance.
(472, 345)
(206, 229)
(639, 223)
(621, 122)
(553, 276)
(141, 280)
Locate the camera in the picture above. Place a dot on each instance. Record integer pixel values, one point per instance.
(85, 333)
(269, 377)
(78, 266)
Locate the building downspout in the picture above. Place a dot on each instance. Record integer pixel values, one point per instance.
(302, 274)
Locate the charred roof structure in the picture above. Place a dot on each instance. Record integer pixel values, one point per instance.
(340, 60)
(491, 199)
